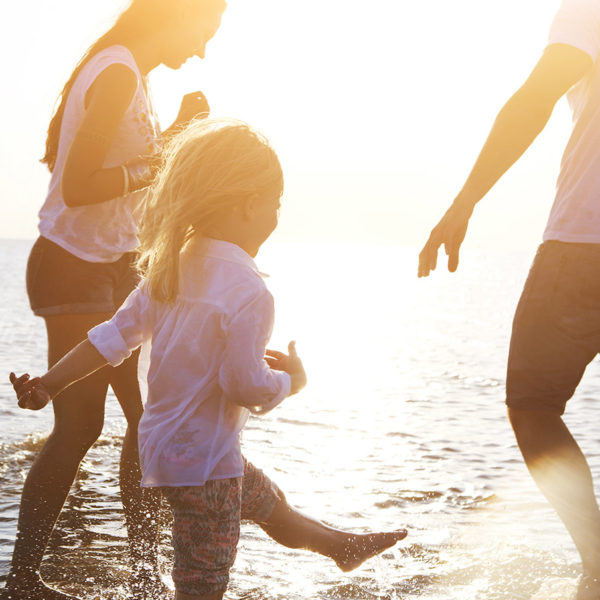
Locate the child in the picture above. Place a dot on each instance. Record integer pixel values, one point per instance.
(208, 315)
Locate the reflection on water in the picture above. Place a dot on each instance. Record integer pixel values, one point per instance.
(402, 424)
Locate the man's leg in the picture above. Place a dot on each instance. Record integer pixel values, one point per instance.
(265, 504)
(563, 475)
(556, 334)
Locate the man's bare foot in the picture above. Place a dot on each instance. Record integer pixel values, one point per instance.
(35, 591)
(588, 588)
(357, 548)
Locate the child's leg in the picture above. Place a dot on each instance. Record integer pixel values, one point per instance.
(265, 504)
(206, 531)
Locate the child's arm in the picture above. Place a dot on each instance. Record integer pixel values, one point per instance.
(290, 364)
(245, 376)
(110, 342)
(80, 362)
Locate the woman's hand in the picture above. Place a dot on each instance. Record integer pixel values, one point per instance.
(31, 393)
(290, 363)
(193, 106)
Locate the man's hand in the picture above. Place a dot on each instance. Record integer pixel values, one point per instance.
(193, 106)
(450, 232)
(291, 364)
(31, 393)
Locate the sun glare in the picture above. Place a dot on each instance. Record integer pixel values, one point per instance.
(377, 109)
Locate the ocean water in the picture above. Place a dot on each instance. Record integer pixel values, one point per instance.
(402, 425)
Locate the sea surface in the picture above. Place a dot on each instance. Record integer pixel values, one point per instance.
(402, 425)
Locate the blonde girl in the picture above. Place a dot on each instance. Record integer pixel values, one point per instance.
(204, 308)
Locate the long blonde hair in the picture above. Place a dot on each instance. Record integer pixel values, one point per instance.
(213, 165)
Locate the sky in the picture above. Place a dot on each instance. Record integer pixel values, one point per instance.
(377, 109)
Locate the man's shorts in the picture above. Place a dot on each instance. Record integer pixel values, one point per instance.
(556, 330)
(60, 283)
(206, 526)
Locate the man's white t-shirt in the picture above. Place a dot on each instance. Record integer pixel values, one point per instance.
(575, 215)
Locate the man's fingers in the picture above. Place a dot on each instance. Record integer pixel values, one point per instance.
(428, 256)
(453, 260)
(427, 260)
(453, 249)
(275, 354)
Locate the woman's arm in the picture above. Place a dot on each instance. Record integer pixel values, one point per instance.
(193, 106)
(84, 181)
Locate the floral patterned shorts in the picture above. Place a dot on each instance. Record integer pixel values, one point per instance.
(206, 526)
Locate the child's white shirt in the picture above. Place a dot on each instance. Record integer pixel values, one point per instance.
(207, 370)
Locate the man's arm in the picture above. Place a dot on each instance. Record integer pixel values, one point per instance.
(519, 122)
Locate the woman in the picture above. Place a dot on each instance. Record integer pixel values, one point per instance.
(80, 269)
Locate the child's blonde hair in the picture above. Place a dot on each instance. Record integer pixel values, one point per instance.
(212, 165)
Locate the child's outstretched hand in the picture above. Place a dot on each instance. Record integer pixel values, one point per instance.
(32, 393)
(290, 363)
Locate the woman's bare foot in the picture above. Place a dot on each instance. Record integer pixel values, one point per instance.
(34, 591)
(357, 548)
(149, 588)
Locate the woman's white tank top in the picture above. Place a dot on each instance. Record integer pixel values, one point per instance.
(101, 232)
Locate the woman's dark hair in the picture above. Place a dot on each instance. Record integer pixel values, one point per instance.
(139, 19)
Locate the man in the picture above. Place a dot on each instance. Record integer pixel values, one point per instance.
(556, 331)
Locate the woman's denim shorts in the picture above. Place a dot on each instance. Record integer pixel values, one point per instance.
(59, 283)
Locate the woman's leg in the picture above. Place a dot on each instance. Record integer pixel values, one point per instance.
(140, 505)
(182, 596)
(79, 416)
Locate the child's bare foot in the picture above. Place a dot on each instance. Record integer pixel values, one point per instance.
(357, 548)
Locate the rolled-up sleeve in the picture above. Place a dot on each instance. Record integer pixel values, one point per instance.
(577, 24)
(130, 326)
(244, 376)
